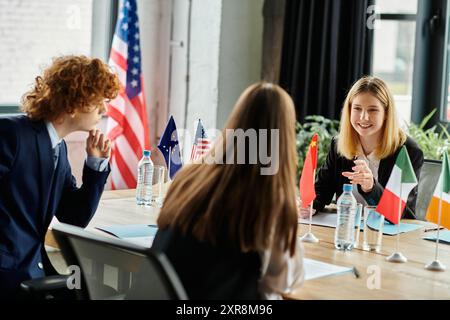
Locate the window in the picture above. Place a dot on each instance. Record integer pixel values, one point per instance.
(445, 108)
(393, 50)
(430, 89)
(33, 32)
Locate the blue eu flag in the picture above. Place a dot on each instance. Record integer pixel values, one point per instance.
(170, 148)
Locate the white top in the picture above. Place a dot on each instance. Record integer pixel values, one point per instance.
(373, 163)
(280, 272)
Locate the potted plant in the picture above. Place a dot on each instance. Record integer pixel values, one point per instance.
(432, 142)
(326, 130)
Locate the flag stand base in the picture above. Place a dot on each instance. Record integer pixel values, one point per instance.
(397, 257)
(436, 265)
(309, 237)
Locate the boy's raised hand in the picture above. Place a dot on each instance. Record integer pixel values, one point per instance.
(97, 145)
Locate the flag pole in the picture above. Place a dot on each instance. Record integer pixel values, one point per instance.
(439, 226)
(311, 206)
(397, 256)
(397, 245)
(168, 165)
(436, 265)
(310, 237)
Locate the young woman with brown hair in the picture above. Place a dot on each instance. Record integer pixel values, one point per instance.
(230, 231)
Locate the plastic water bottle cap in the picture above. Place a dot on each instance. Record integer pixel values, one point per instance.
(348, 187)
(147, 153)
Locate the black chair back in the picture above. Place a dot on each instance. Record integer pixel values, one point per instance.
(114, 269)
(429, 176)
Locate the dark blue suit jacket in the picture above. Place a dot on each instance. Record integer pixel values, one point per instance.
(32, 191)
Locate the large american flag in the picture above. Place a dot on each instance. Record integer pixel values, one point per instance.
(127, 123)
(201, 143)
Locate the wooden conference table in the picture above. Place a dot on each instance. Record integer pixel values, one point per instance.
(397, 281)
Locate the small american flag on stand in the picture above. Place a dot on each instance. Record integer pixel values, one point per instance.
(201, 142)
(127, 126)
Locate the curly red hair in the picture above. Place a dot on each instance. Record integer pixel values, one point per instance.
(71, 83)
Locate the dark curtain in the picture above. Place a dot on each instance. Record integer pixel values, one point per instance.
(326, 48)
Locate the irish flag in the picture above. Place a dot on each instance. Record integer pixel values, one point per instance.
(400, 183)
(442, 192)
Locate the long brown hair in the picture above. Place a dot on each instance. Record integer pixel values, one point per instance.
(234, 202)
(392, 136)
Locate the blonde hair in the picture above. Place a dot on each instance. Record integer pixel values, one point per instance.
(234, 202)
(392, 136)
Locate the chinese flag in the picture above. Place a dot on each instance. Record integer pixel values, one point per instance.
(307, 191)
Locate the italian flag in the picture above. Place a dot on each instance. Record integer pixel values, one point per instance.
(442, 192)
(400, 183)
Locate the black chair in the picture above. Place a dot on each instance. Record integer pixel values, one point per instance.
(52, 287)
(110, 268)
(429, 176)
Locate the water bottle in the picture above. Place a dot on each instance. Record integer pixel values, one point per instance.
(346, 210)
(144, 180)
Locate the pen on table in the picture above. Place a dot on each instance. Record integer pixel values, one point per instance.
(433, 229)
(355, 272)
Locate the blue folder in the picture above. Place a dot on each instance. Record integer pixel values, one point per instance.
(131, 230)
(389, 228)
(444, 236)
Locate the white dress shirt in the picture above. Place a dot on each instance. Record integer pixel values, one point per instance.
(373, 163)
(280, 272)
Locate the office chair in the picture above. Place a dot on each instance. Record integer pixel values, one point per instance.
(429, 176)
(114, 269)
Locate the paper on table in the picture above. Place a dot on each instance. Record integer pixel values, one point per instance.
(322, 219)
(316, 269)
(444, 236)
(141, 241)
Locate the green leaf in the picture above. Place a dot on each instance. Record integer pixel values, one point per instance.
(430, 141)
(325, 128)
(444, 130)
(427, 118)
